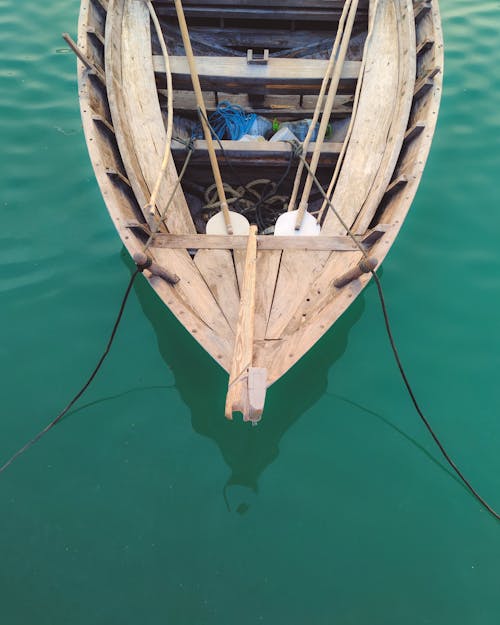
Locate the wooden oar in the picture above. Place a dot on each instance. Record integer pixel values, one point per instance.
(204, 123)
(346, 35)
(150, 206)
(319, 103)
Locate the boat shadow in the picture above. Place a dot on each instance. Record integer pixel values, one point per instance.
(202, 385)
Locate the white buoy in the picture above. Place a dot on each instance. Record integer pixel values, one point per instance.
(285, 225)
(217, 224)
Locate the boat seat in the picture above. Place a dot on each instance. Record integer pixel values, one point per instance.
(279, 76)
(255, 153)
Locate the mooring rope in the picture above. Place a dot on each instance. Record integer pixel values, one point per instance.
(140, 267)
(91, 377)
(394, 348)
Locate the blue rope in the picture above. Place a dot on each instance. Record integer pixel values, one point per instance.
(228, 121)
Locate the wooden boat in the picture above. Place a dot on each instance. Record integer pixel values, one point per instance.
(257, 303)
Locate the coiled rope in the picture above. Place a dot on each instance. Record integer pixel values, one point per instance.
(228, 121)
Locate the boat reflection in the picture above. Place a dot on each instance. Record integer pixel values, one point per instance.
(247, 450)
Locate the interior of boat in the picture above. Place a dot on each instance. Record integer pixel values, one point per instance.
(256, 302)
(264, 62)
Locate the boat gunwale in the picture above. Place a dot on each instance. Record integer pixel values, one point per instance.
(396, 207)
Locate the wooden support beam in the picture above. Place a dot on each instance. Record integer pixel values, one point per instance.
(117, 176)
(96, 36)
(274, 105)
(103, 124)
(233, 74)
(413, 132)
(260, 10)
(246, 384)
(427, 44)
(238, 242)
(101, 5)
(255, 153)
(373, 235)
(421, 8)
(277, 5)
(396, 185)
(425, 83)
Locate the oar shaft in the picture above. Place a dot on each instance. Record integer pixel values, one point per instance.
(319, 103)
(201, 105)
(170, 113)
(346, 35)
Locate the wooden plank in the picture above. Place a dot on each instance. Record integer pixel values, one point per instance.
(145, 121)
(280, 75)
(264, 242)
(268, 262)
(305, 4)
(421, 8)
(192, 299)
(277, 106)
(217, 268)
(237, 395)
(425, 46)
(403, 97)
(254, 153)
(396, 185)
(259, 13)
(425, 83)
(413, 132)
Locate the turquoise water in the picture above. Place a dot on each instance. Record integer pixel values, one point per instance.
(145, 505)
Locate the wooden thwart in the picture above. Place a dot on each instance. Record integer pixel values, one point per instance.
(264, 242)
(233, 74)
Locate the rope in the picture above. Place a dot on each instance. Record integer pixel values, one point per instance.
(397, 357)
(91, 377)
(228, 121)
(138, 270)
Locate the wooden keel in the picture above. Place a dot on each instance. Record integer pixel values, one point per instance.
(247, 384)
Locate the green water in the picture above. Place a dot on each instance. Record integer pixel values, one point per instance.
(145, 506)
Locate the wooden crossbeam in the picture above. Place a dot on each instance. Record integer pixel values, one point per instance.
(260, 10)
(264, 242)
(233, 74)
(254, 153)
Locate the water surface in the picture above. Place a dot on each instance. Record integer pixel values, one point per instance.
(145, 505)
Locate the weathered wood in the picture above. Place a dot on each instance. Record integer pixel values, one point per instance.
(425, 46)
(337, 64)
(425, 83)
(233, 75)
(396, 185)
(237, 395)
(257, 386)
(195, 81)
(191, 300)
(238, 242)
(304, 4)
(255, 153)
(422, 8)
(413, 132)
(260, 13)
(144, 121)
(274, 105)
